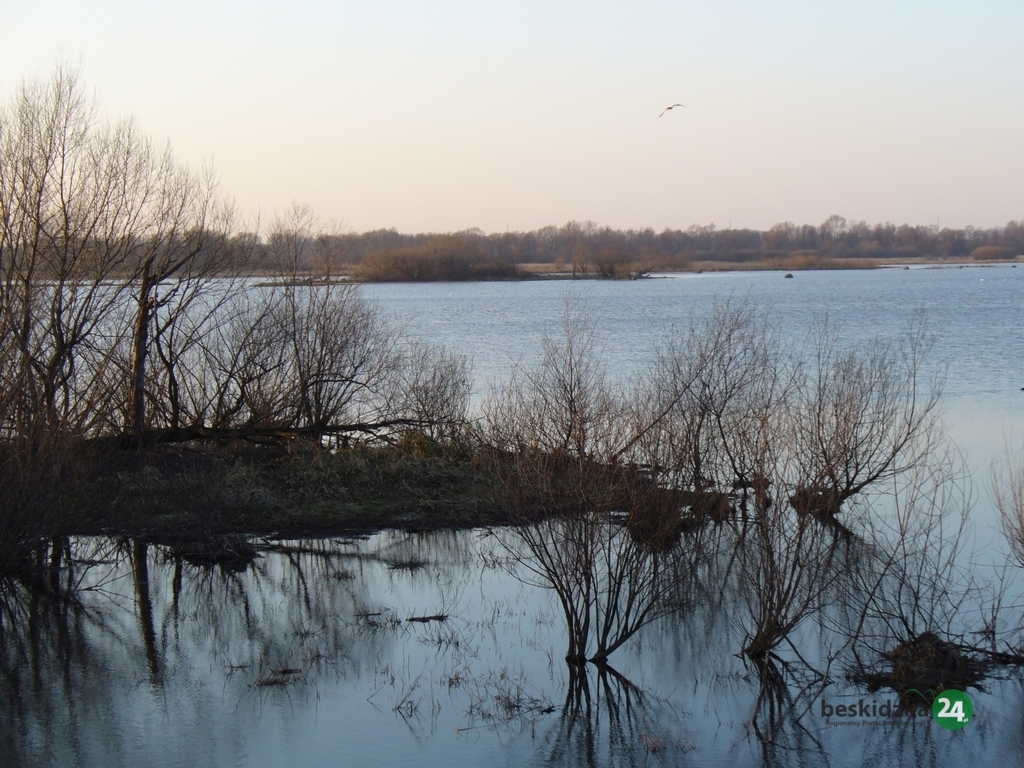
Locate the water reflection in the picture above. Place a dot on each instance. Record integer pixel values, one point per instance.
(608, 720)
(404, 647)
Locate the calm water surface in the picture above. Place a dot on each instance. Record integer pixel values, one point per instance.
(309, 657)
(974, 315)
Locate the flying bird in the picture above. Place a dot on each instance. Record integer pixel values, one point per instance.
(670, 106)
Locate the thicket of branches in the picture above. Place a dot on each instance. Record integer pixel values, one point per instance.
(127, 316)
(617, 483)
(772, 490)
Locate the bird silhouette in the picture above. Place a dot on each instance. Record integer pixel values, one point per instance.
(670, 106)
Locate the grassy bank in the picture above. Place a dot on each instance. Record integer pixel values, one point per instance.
(294, 490)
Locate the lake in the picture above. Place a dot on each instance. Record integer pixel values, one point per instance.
(441, 649)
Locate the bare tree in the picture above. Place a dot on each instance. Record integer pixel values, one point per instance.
(184, 245)
(104, 242)
(68, 189)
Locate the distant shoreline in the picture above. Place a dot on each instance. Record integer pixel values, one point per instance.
(531, 272)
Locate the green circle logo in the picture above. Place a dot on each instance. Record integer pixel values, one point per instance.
(952, 709)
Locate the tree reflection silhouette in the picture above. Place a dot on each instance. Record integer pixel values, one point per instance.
(149, 651)
(608, 720)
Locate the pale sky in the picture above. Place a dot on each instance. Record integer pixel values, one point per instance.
(440, 116)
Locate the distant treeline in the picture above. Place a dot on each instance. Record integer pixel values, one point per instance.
(585, 248)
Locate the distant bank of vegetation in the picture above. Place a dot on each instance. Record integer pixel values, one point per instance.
(589, 251)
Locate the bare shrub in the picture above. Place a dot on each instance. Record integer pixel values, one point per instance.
(556, 429)
(339, 352)
(712, 404)
(443, 258)
(861, 417)
(315, 359)
(1007, 489)
(431, 390)
(913, 589)
(564, 405)
(994, 253)
(728, 426)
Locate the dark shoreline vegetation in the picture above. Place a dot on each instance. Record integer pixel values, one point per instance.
(149, 392)
(587, 251)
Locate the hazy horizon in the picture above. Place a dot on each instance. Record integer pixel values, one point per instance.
(453, 116)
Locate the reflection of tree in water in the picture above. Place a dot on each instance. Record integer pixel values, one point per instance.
(608, 583)
(135, 630)
(289, 617)
(56, 653)
(72, 661)
(785, 694)
(751, 583)
(808, 606)
(607, 720)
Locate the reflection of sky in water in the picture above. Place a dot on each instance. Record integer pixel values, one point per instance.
(379, 690)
